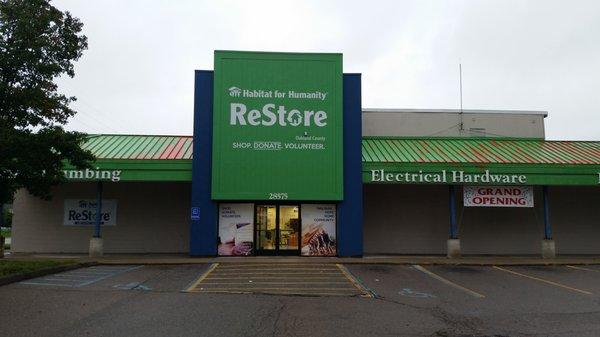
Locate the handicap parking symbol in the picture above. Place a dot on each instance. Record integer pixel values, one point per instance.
(411, 293)
(195, 213)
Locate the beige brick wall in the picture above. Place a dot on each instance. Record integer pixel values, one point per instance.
(575, 218)
(399, 219)
(414, 219)
(152, 217)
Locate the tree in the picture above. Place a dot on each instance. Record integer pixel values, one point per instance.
(38, 43)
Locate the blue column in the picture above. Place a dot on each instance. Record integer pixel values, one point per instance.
(98, 210)
(547, 227)
(350, 210)
(452, 204)
(203, 228)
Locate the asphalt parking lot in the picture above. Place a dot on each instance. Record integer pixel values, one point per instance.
(406, 300)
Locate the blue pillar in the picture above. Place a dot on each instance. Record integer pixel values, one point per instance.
(547, 227)
(452, 203)
(203, 228)
(350, 210)
(97, 233)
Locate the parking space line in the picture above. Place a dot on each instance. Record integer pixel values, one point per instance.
(351, 289)
(367, 292)
(77, 278)
(281, 283)
(447, 282)
(202, 277)
(98, 279)
(275, 292)
(258, 278)
(61, 279)
(247, 265)
(46, 284)
(277, 277)
(276, 274)
(556, 284)
(279, 269)
(582, 268)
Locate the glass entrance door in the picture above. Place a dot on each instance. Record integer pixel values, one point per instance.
(266, 228)
(277, 229)
(289, 229)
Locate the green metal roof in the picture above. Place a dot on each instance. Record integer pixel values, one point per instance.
(378, 150)
(168, 158)
(479, 151)
(139, 147)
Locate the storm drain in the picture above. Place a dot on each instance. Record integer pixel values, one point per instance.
(279, 279)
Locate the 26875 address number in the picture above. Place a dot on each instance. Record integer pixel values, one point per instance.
(278, 196)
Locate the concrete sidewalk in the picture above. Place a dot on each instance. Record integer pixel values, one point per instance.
(395, 259)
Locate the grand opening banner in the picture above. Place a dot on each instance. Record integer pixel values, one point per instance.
(277, 126)
(498, 196)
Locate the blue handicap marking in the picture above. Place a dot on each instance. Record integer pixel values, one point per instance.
(80, 277)
(195, 213)
(410, 293)
(132, 286)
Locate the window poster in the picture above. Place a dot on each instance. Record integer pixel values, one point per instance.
(236, 229)
(318, 230)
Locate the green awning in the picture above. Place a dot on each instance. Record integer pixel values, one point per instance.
(137, 158)
(480, 161)
(408, 160)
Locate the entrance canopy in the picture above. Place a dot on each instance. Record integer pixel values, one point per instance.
(481, 161)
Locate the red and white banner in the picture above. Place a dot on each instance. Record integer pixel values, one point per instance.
(498, 196)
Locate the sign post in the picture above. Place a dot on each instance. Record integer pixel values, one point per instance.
(96, 243)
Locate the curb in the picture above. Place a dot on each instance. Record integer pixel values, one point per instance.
(491, 262)
(42, 272)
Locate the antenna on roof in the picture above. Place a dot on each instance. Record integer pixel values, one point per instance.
(461, 129)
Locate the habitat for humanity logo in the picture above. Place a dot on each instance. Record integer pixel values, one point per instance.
(235, 91)
(291, 94)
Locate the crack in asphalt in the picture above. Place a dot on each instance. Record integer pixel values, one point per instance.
(277, 318)
(459, 326)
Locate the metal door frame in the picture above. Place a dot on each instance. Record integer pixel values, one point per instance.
(277, 251)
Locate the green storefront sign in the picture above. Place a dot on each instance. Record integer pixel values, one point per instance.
(277, 126)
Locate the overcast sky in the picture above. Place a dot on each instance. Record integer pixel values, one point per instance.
(137, 75)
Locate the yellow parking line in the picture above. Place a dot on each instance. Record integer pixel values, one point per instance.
(252, 265)
(275, 289)
(220, 272)
(543, 280)
(353, 280)
(274, 293)
(279, 269)
(202, 277)
(282, 283)
(447, 282)
(582, 268)
(341, 277)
